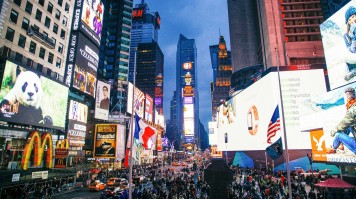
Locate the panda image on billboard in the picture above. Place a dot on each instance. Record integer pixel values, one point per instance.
(24, 100)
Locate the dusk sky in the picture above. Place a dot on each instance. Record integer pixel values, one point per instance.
(195, 19)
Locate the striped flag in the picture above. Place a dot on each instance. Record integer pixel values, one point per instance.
(274, 125)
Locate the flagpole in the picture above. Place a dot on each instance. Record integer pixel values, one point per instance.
(132, 122)
(284, 128)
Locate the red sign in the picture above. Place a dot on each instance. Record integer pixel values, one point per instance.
(188, 91)
(137, 13)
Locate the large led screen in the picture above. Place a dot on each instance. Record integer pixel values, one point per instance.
(321, 116)
(188, 110)
(86, 65)
(102, 100)
(338, 36)
(138, 101)
(29, 98)
(149, 108)
(77, 120)
(245, 118)
(189, 127)
(92, 19)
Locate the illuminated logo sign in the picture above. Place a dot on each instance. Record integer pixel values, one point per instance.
(159, 80)
(61, 154)
(188, 91)
(187, 78)
(137, 13)
(318, 145)
(187, 65)
(36, 143)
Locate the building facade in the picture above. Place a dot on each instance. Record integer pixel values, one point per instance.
(221, 86)
(145, 26)
(187, 91)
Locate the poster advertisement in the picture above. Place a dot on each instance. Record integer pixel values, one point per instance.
(149, 108)
(92, 19)
(138, 100)
(102, 101)
(105, 140)
(77, 120)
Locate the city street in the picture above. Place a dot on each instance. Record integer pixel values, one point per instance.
(79, 194)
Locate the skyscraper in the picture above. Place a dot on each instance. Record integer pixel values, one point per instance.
(114, 50)
(149, 72)
(221, 85)
(187, 91)
(145, 25)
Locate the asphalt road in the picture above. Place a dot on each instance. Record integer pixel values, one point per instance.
(79, 194)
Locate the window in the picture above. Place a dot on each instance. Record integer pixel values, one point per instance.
(42, 53)
(60, 48)
(22, 41)
(54, 40)
(47, 22)
(25, 24)
(39, 67)
(36, 28)
(60, 2)
(58, 14)
(13, 16)
(45, 33)
(41, 2)
(38, 15)
(64, 21)
(66, 8)
(28, 7)
(32, 48)
(29, 62)
(55, 28)
(49, 71)
(10, 34)
(63, 34)
(18, 57)
(50, 8)
(18, 2)
(50, 58)
(58, 62)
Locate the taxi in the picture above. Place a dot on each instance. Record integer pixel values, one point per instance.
(114, 182)
(175, 164)
(97, 186)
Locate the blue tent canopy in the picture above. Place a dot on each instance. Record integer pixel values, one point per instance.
(242, 160)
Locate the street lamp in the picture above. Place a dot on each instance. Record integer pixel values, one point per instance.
(171, 148)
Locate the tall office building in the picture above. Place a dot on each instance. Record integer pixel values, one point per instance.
(145, 26)
(288, 30)
(114, 50)
(221, 85)
(332, 6)
(187, 91)
(214, 50)
(149, 72)
(245, 38)
(35, 33)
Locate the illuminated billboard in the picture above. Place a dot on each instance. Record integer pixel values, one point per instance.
(149, 108)
(212, 133)
(86, 66)
(92, 19)
(321, 116)
(188, 91)
(137, 13)
(188, 111)
(105, 140)
(138, 101)
(102, 100)
(339, 46)
(77, 120)
(245, 118)
(189, 127)
(187, 65)
(29, 98)
(188, 100)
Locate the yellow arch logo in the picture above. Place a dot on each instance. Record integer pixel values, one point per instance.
(37, 143)
(62, 144)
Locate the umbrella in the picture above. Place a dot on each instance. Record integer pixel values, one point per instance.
(335, 183)
(94, 171)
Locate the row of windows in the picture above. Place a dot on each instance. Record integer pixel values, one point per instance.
(33, 47)
(303, 38)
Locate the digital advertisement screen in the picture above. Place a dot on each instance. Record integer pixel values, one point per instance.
(105, 140)
(246, 117)
(188, 111)
(188, 100)
(149, 108)
(139, 100)
(338, 36)
(92, 19)
(212, 133)
(120, 142)
(330, 122)
(102, 100)
(189, 127)
(77, 120)
(86, 65)
(29, 98)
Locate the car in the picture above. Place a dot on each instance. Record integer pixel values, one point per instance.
(183, 164)
(110, 192)
(96, 186)
(114, 182)
(175, 164)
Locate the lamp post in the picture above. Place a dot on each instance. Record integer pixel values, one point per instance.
(171, 149)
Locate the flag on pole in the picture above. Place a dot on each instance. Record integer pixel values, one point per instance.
(127, 157)
(275, 150)
(144, 132)
(274, 125)
(137, 127)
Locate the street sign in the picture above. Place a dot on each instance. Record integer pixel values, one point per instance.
(15, 177)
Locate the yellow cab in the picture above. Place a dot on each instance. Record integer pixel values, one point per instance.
(97, 186)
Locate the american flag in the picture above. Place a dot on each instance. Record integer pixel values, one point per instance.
(274, 125)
